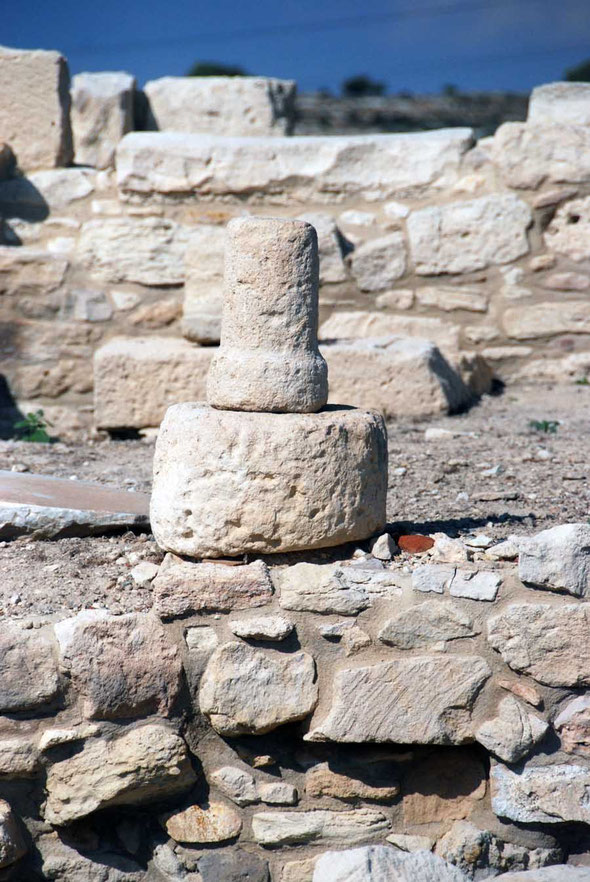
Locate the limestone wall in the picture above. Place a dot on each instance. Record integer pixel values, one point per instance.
(263, 714)
(481, 247)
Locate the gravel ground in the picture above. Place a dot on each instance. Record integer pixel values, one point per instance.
(495, 472)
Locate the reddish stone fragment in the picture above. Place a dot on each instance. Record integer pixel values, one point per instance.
(415, 543)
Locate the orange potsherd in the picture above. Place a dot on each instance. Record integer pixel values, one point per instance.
(415, 543)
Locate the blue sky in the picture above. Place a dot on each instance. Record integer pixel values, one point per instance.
(417, 45)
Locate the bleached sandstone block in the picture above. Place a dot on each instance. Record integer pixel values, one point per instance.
(137, 378)
(203, 285)
(299, 169)
(547, 319)
(379, 863)
(465, 236)
(268, 359)
(513, 732)
(528, 155)
(426, 626)
(226, 482)
(353, 324)
(35, 107)
(379, 263)
(319, 826)
(557, 559)
(548, 794)
(330, 246)
(399, 376)
(222, 105)
(557, 103)
(569, 231)
(102, 112)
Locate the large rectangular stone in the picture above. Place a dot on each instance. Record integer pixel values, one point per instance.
(560, 103)
(35, 107)
(528, 155)
(324, 169)
(222, 105)
(137, 378)
(547, 319)
(102, 112)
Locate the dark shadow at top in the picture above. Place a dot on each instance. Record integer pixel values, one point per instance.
(9, 411)
(19, 198)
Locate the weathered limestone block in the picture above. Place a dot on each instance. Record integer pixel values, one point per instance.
(547, 319)
(269, 358)
(183, 588)
(330, 247)
(35, 114)
(321, 588)
(451, 297)
(545, 794)
(466, 236)
(102, 112)
(222, 105)
(146, 763)
(227, 482)
(355, 324)
(40, 193)
(427, 625)
(61, 862)
(28, 668)
(399, 376)
(513, 732)
(289, 170)
(237, 784)
(29, 271)
(19, 757)
(475, 584)
(12, 843)
(272, 627)
(573, 726)
(378, 263)
(250, 691)
(318, 827)
(203, 286)
(557, 873)
(379, 863)
(232, 866)
(373, 703)
(351, 784)
(123, 666)
(529, 155)
(557, 103)
(148, 250)
(569, 230)
(557, 559)
(547, 642)
(137, 378)
(215, 823)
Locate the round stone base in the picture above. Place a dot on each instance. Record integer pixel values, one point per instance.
(228, 482)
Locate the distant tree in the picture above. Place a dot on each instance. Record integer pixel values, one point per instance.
(580, 73)
(215, 69)
(449, 90)
(361, 85)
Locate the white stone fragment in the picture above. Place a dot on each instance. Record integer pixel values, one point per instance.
(320, 826)
(382, 864)
(557, 559)
(548, 794)
(513, 732)
(237, 784)
(278, 793)
(557, 103)
(475, 584)
(330, 247)
(272, 627)
(102, 112)
(432, 577)
(378, 263)
(201, 639)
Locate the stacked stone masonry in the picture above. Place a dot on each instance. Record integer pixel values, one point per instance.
(480, 248)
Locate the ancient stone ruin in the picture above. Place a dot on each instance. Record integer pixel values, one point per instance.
(280, 676)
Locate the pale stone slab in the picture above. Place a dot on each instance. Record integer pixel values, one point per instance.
(137, 378)
(569, 230)
(35, 113)
(433, 578)
(513, 732)
(102, 112)
(237, 784)
(12, 844)
(475, 585)
(557, 559)
(527, 155)
(274, 628)
(352, 324)
(378, 263)
(322, 780)
(147, 763)
(123, 666)
(321, 588)
(557, 873)
(465, 236)
(299, 169)
(427, 625)
(546, 794)
(320, 826)
(215, 823)
(47, 506)
(398, 376)
(330, 247)
(28, 668)
(547, 319)
(250, 691)
(449, 298)
(545, 641)
(268, 359)
(249, 465)
(203, 286)
(63, 863)
(373, 703)
(222, 105)
(379, 863)
(557, 103)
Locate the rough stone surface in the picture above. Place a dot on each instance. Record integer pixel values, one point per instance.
(569, 230)
(246, 690)
(573, 726)
(460, 785)
(399, 376)
(475, 585)
(269, 358)
(427, 625)
(466, 236)
(28, 668)
(330, 247)
(442, 689)
(513, 732)
(222, 105)
(284, 481)
(351, 783)
(321, 588)
(35, 117)
(124, 666)
(61, 862)
(378, 263)
(545, 641)
(216, 822)
(45, 191)
(272, 627)
(203, 286)
(434, 578)
(557, 559)
(237, 784)
(320, 826)
(379, 863)
(546, 794)
(102, 112)
(528, 156)
(12, 843)
(376, 325)
(556, 103)
(547, 319)
(560, 873)
(235, 866)
(294, 169)
(137, 378)
(143, 764)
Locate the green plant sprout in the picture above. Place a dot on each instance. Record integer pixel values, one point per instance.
(33, 428)
(583, 381)
(549, 426)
